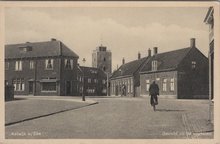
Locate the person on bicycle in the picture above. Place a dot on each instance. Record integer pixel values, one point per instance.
(154, 92)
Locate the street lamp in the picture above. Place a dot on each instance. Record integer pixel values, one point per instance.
(83, 95)
(107, 85)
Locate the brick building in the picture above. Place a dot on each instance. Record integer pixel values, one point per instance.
(94, 81)
(181, 73)
(209, 20)
(41, 68)
(126, 79)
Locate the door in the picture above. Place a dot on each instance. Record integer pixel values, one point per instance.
(116, 90)
(68, 87)
(31, 87)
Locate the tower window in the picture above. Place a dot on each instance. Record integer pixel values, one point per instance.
(104, 68)
(104, 59)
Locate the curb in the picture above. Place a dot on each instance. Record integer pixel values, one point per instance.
(49, 114)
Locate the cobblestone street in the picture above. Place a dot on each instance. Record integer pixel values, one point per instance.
(118, 118)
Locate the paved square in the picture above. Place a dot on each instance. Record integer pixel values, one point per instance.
(121, 118)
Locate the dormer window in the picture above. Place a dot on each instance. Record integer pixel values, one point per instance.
(193, 64)
(25, 48)
(154, 65)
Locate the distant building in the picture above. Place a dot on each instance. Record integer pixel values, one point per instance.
(181, 73)
(94, 81)
(126, 79)
(41, 68)
(209, 19)
(102, 59)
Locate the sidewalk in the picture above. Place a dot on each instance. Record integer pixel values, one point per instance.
(25, 108)
(197, 124)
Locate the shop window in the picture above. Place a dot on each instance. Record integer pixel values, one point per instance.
(18, 84)
(49, 86)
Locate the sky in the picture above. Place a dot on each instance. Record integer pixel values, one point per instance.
(125, 31)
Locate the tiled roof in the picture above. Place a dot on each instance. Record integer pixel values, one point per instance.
(128, 69)
(168, 60)
(39, 49)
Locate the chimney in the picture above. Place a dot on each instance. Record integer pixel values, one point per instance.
(149, 52)
(139, 55)
(155, 50)
(192, 42)
(123, 61)
(53, 39)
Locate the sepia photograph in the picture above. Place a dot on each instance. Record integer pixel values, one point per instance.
(95, 71)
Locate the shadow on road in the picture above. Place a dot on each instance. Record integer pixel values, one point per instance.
(168, 110)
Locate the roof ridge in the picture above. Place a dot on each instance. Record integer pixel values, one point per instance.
(175, 50)
(24, 43)
(135, 60)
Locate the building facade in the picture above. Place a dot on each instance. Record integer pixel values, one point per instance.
(125, 81)
(181, 73)
(102, 59)
(209, 20)
(92, 81)
(41, 68)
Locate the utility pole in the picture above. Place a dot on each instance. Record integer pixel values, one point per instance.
(83, 80)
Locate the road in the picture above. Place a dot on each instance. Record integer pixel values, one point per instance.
(121, 118)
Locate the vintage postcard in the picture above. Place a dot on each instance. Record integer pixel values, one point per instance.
(109, 72)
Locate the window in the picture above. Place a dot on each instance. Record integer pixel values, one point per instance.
(18, 65)
(89, 80)
(193, 64)
(31, 64)
(172, 84)
(103, 81)
(104, 68)
(49, 86)
(104, 59)
(6, 65)
(18, 84)
(95, 81)
(49, 64)
(147, 85)
(112, 88)
(128, 86)
(164, 84)
(68, 63)
(154, 65)
(131, 86)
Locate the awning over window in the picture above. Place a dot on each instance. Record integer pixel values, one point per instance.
(49, 80)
